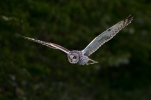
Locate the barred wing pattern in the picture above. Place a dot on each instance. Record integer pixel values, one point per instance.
(106, 36)
(48, 44)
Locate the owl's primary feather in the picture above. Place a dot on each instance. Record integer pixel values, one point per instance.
(106, 36)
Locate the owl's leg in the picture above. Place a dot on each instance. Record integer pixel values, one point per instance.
(90, 61)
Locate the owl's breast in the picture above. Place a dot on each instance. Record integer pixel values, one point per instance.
(82, 59)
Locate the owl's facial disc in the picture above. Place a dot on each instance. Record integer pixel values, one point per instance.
(73, 58)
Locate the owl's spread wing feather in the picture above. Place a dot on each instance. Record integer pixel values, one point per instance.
(48, 44)
(97, 42)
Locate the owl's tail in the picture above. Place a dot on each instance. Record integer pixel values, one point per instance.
(90, 61)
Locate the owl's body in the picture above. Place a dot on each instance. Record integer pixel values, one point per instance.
(78, 57)
(81, 57)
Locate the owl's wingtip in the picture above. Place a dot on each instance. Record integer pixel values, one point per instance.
(130, 17)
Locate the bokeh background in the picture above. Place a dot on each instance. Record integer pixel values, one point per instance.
(30, 71)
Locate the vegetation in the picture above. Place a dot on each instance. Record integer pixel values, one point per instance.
(30, 71)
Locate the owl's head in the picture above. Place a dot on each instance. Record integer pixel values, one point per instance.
(73, 58)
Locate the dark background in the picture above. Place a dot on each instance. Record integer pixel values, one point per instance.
(30, 71)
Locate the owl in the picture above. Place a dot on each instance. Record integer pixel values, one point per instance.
(81, 57)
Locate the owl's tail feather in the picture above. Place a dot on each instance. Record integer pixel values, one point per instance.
(91, 62)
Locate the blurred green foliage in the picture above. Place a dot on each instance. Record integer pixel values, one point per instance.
(30, 71)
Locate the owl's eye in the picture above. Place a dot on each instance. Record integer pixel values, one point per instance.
(74, 57)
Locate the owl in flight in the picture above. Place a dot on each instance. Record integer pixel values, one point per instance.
(81, 57)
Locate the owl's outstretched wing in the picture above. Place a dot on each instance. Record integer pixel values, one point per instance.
(48, 44)
(97, 42)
